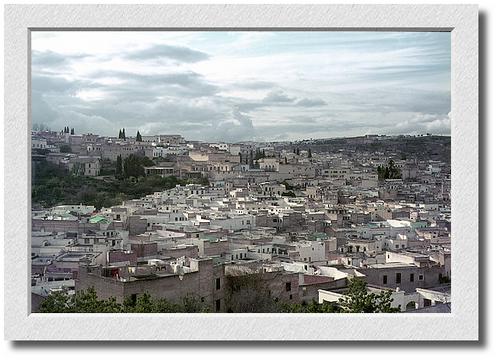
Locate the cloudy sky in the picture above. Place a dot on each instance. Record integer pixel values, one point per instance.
(234, 86)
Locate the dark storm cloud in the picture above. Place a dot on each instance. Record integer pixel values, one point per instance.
(51, 84)
(50, 58)
(151, 86)
(159, 52)
(199, 118)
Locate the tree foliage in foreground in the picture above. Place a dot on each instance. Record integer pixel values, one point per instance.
(243, 294)
(357, 299)
(87, 301)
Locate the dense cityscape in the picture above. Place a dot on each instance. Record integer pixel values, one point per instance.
(160, 223)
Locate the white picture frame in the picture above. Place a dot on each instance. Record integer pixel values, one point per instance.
(463, 321)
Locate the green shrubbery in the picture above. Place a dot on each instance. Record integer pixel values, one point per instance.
(243, 294)
(86, 301)
(52, 185)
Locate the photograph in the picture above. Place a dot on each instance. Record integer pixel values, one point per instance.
(241, 171)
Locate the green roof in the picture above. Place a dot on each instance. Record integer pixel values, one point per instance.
(98, 219)
(319, 236)
(210, 238)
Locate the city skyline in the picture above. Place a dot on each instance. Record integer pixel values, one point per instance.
(243, 86)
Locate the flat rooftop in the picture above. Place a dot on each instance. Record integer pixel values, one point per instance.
(391, 265)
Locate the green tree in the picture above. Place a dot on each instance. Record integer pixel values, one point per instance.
(165, 306)
(309, 153)
(260, 154)
(192, 304)
(72, 131)
(139, 136)
(287, 185)
(312, 307)
(119, 166)
(56, 302)
(64, 148)
(124, 134)
(248, 293)
(85, 301)
(251, 159)
(133, 166)
(120, 136)
(144, 304)
(390, 171)
(357, 299)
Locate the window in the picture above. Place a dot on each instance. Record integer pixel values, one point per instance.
(412, 277)
(218, 283)
(218, 305)
(384, 279)
(398, 278)
(288, 286)
(421, 277)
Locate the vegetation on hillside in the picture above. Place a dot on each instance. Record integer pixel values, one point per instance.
(53, 185)
(390, 171)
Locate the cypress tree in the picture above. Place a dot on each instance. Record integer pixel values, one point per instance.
(119, 165)
(124, 134)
